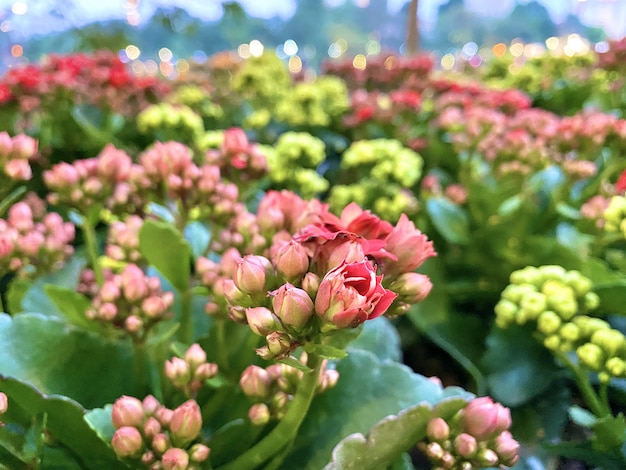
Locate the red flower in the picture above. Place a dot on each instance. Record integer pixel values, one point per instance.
(5, 93)
(352, 293)
(620, 186)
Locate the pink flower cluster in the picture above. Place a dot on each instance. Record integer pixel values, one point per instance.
(123, 240)
(239, 159)
(319, 272)
(156, 436)
(131, 301)
(33, 242)
(100, 79)
(476, 437)
(188, 373)
(272, 389)
(15, 153)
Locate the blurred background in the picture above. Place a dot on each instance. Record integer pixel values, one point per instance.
(163, 36)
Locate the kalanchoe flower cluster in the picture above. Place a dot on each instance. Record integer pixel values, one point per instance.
(171, 178)
(556, 301)
(15, 153)
(188, 373)
(293, 162)
(123, 240)
(151, 436)
(238, 159)
(165, 121)
(615, 215)
(322, 272)
(379, 175)
(33, 242)
(101, 181)
(131, 301)
(272, 388)
(476, 437)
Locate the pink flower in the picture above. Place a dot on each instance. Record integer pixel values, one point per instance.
(352, 293)
(409, 245)
(484, 419)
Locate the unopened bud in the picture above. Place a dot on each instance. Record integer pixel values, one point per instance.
(591, 355)
(255, 382)
(160, 443)
(4, 403)
(291, 260)
(487, 458)
(178, 371)
(251, 274)
(438, 430)
(175, 459)
(261, 320)
(414, 287)
(195, 355)
(127, 411)
(186, 423)
(292, 306)
(465, 445)
(611, 341)
(151, 428)
(548, 322)
(259, 414)
(199, 453)
(279, 344)
(127, 442)
(507, 448)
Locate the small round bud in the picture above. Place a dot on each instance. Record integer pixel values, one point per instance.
(127, 442)
(259, 414)
(437, 430)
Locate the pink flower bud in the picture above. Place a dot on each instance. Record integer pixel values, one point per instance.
(127, 442)
(291, 260)
(109, 292)
(24, 147)
(278, 344)
(483, 419)
(6, 144)
(255, 382)
(164, 415)
(151, 428)
(195, 355)
(160, 443)
(311, 284)
(487, 458)
(292, 306)
(507, 448)
(18, 170)
(133, 324)
(259, 414)
(413, 287)
(127, 411)
(107, 311)
(4, 403)
(438, 430)
(250, 274)
(150, 405)
(21, 217)
(186, 423)
(233, 295)
(235, 141)
(178, 371)
(465, 445)
(205, 371)
(175, 459)
(199, 453)
(261, 320)
(133, 283)
(153, 306)
(147, 457)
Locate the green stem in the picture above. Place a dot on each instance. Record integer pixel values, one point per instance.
(604, 396)
(222, 351)
(284, 432)
(585, 387)
(185, 334)
(139, 366)
(89, 233)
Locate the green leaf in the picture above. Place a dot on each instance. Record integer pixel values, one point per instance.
(518, 367)
(165, 248)
(459, 334)
(65, 423)
(582, 417)
(609, 433)
(99, 419)
(293, 362)
(72, 306)
(63, 360)
(388, 439)
(510, 205)
(329, 352)
(11, 199)
(368, 390)
(449, 219)
(198, 236)
(612, 297)
(379, 337)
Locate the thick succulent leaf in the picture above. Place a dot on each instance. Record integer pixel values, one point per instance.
(166, 249)
(379, 337)
(369, 389)
(60, 359)
(65, 425)
(389, 438)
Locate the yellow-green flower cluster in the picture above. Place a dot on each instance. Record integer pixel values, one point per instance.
(615, 215)
(557, 302)
(379, 174)
(262, 81)
(292, 163)
(166, 121)
(198, 100)
(314, 104)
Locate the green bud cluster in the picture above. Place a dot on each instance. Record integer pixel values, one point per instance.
(262, 81)
(615, 215)
(292, 162)
(557, 301)
(318, 103)
(379, 175)
(166, 121)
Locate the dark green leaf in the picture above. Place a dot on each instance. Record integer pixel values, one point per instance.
(612, 297)
(518, 367)
(62, 360)
(450, 220)
(72, 306)
(379, 337)
(609, 433)
(293, 362)
(165, 248)
(329, 352)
